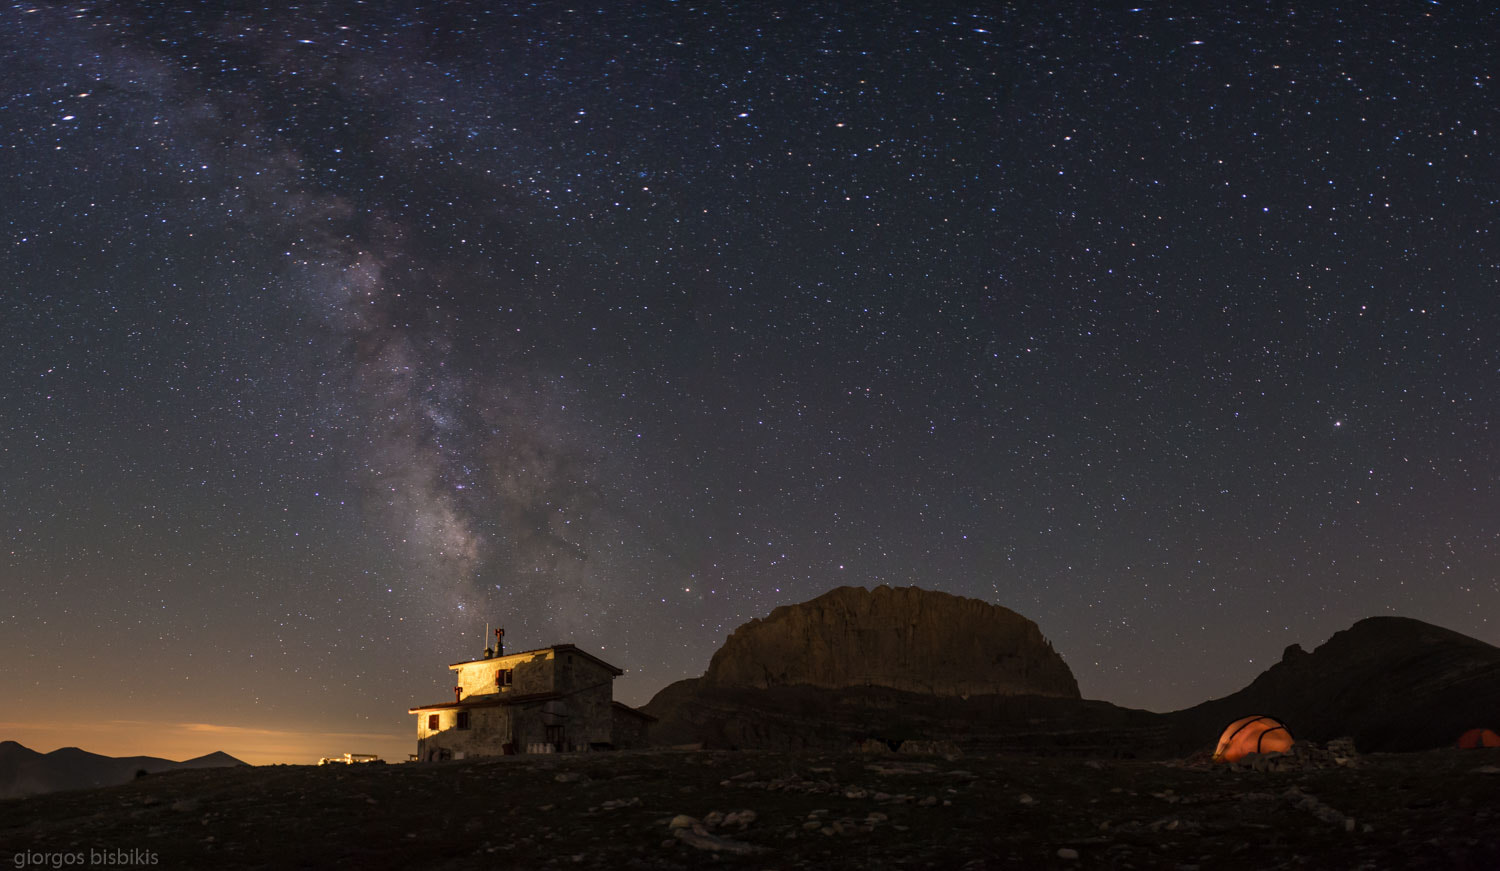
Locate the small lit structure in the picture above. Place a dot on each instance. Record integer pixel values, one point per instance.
(349, 759)
(556, 699)
(1258, 734)
(1477, 738)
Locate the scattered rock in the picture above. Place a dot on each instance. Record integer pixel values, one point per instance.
(946, 749)
(740, 818)
(698, 838)
(1303, 756)
(1311, 804)
(1067, 853)
(1343, 752)
(902, 767)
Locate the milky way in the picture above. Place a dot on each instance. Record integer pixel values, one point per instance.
(334, 335)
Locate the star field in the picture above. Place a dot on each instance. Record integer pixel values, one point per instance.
(331, 335)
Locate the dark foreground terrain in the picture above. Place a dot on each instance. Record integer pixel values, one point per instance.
(759, 810)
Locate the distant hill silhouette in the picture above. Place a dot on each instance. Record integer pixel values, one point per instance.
(1390, 683)
(24, 771)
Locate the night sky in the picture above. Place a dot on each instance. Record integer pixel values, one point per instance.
(330, 336)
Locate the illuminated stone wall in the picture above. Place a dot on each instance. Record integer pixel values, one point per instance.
(530, 673)
(490, 729)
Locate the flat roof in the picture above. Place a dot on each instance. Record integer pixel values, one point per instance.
(570, 648)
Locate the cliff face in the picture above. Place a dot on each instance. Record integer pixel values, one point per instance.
(908, 639)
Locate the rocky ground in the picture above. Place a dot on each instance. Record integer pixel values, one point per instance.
(760, 810)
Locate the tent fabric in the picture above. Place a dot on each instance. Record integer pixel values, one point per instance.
(1255, 734)
(1475, 738)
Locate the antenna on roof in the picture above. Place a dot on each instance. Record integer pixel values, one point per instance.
(488, 653)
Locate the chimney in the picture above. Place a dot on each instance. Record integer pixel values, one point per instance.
(499, 642)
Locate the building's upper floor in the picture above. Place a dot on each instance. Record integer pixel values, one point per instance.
(561, 668)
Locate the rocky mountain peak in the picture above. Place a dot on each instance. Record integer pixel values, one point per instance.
(904, 638)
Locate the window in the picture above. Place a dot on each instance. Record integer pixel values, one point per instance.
(432, 722)
(504, 678)
(463, 719)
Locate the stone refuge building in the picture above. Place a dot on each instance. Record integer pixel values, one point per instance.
(555, 699)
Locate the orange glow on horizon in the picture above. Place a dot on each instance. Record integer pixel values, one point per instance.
(180, 741)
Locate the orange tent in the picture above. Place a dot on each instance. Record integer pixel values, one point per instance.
(1248, 735)
(1479, 738)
